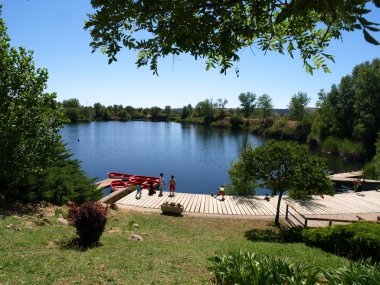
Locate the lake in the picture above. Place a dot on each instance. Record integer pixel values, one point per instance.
(197, 156)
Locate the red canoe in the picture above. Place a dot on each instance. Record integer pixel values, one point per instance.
(118, 185)
(118, 175)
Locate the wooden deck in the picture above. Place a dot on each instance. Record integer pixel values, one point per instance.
(340, 204)
(366, 202)
(205, 204)
(351, 177)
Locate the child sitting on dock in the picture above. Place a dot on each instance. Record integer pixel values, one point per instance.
(358, 185)
(220, 193)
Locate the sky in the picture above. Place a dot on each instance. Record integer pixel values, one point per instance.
(53, 29)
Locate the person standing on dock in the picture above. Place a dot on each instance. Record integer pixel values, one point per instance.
(161, 183)
(172, 184)
(138, 191)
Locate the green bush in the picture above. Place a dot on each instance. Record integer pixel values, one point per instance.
(246, 268)
(236, 122)
(330, 145)
(345, 148)
(65, 181)
(252, 269)
(356, 240)
(356, 273)
(89, 220)
(292, 234)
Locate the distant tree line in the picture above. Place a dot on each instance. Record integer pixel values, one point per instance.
(98, 112)
(346, 119)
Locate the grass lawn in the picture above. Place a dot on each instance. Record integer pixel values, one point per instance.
(174, 250)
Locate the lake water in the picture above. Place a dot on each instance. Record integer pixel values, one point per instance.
(197, 156)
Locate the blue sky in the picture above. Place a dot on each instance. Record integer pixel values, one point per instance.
(53, 29)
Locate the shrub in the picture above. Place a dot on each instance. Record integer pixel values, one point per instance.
(246, 268)
(89, 220)
(236, 122)
(330, 145)
(65, 181)
(249, 268)
(292, 234)
(355, 273)
(345, 148)
(356, 240)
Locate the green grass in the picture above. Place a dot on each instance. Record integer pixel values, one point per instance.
(174, 250)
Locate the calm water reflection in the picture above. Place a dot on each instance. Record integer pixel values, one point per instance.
(197, 156)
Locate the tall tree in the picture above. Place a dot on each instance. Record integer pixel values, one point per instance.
(281, 167)
(185, 112)
(297, 106)
(30, 120)
(217, 30)
(168, 111)
(247, 103)
(221, 105)
(264, 103)
(71, 103)
(350, 109)
(372, 169)
(205, 109)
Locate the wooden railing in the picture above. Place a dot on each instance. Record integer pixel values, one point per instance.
(304, 223)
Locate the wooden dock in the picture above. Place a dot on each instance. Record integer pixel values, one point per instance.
(366, 202)
(206, 204)
(351, 177)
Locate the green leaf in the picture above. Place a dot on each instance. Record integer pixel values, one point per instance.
(377, 3)
(366, 23)
(373, 29)
(285, 13)
(369, 38)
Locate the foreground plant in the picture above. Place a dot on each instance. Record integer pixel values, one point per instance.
(89, 220)
(250, 268)
(355, 273)
(246, 268)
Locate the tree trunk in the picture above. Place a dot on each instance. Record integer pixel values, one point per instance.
(277, 219)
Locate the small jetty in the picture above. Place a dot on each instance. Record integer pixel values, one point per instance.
(351, 177)
(365, 204)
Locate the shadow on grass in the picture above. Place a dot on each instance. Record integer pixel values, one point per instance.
(77, 245)
(281, 234)
(171, 214)
(20, 209)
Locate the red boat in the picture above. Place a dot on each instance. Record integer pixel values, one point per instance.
(132, 179)
(118, 175)
(146, 178)
(118, 185)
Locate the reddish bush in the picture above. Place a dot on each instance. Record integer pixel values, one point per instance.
(89, 219)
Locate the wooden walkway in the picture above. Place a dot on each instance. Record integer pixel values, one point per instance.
(351, 177)
(365, 202)
(205, 204)
(340, 204)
